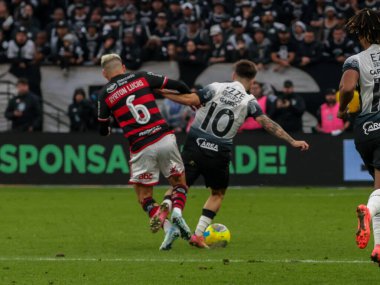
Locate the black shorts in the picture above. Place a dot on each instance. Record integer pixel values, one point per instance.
(370, 153)
(214, 167)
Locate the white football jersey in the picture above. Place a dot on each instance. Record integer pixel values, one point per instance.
(367, 64)
(226, 106)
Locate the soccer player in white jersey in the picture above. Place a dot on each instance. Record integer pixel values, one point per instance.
(364, 69)
(207, 151)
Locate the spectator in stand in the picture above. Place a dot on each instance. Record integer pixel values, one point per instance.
(248, 15)
(6, 20)
(218, 11)
(111, 15)
(195, 33)
(191, 62)
(96, 16)
(218, 52)
(62, 29)
(70, 53)
(79, 18)
(130, 23)
(163, 31)
(341, 20)
(328, 122)
(329, 23)
(21, 52)
(317, 12)
(26, 19)
(187, 11)
(283, 51)
(264, 6)
(268, 23)
(131, 52)
(154, 50)
(339, 47)
(289, 108)
(298, 32)
(370, 4)
(145, 15)
(241, 50)
(110, 44)
(175, 13)
(91, 41)
(259, 49)
(226, 26)
(344, 7)
(24, 110)
(309, 51)
(51, 28)
(266, 103)
(82, 113)
(293, 10)
(3, 47)
(158, 6)
(42, 48)
(239, 35)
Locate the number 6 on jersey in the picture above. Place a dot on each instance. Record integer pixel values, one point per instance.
(137, 110)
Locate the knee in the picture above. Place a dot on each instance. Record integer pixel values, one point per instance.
(218, 193)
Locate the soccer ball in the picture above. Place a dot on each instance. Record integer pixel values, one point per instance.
(217, 235)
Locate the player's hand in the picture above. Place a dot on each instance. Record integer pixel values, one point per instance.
(343, 114)
(302, 145)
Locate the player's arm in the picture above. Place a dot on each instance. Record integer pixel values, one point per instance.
(276, 130)
(255, 111)
(158, 81)
(103, 116)
(191, 99)
(347, 85)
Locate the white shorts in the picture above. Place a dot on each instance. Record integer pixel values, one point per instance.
(162, 156)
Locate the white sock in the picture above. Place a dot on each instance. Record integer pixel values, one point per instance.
(374, 203)
(169, 203)
(167, 225)
(203, 223)
(177, 212)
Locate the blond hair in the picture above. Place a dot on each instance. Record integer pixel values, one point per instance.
(110, 61)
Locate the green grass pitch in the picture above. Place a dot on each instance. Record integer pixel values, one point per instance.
(279, 236)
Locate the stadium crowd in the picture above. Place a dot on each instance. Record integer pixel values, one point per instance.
(195, 33)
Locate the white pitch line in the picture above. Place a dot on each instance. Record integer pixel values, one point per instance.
(173, 260)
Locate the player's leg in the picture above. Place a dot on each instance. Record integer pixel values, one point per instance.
(144, 175)
(209, 211)
(217, 178)
(363, 232)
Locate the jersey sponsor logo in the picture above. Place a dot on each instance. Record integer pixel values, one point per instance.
(111, 88)
(150, 131)
(146, 176)
(154, 74)
(203, 143)
(369, 127)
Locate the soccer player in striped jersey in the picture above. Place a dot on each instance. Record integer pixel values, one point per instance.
(364, 69)
(207, 150)
(153, 148)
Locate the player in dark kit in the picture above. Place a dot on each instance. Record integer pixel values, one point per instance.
(153, 148)
(364, 69)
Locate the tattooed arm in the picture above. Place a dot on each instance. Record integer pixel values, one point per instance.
(276, 130)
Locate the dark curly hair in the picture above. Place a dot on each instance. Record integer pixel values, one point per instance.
(365, 24)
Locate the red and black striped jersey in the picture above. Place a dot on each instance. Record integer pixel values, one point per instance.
(129, 97)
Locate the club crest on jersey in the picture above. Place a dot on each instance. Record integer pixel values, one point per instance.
(203, 143)
(111, 88)
(370, 127)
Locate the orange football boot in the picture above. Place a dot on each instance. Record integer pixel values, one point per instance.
(364, 230)
(198, 241)
(375, 256)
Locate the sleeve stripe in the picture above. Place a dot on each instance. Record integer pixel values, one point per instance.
(165, 82)
(103, 120)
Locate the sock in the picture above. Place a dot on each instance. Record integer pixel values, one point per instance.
(376, 228)
(204, 221)
(179, 198)
(150, 206)
(168, 200)
(166, 226)
(374, 203)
